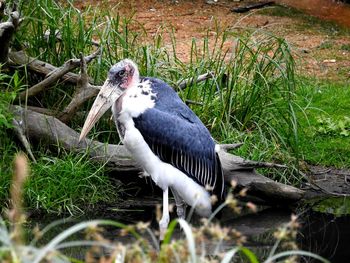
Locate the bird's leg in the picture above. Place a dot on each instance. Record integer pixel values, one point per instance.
(164, 221)
(180, 204)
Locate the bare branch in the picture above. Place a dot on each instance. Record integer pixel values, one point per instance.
(45, 111)
(80, 94)
(231, 146)
(187, 82)
(19, 58)
(193, 102)
(55, 75)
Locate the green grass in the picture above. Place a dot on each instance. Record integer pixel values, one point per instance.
(345, 47)
(69, 183)
(338, 206)
(322, 143)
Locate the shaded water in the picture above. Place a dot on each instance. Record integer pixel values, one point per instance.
(333, 10)
(321, 233)
(326, 235)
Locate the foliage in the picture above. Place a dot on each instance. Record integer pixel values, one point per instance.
(9, 86)
(69, 183)
(323, 139)
(328, 126)
(345, 47)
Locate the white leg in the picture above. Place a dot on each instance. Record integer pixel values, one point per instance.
(180, 204)
(164, 221)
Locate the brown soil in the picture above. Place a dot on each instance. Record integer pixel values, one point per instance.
(192, 19)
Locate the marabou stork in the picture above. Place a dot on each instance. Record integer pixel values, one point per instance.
(164, 136)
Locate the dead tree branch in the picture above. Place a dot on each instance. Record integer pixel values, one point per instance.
(230, 146)
(188, 82)
(55, 75)
(20, 59)
(247, 7)
(83, 84)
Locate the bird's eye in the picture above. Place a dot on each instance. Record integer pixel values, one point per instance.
(122, 73)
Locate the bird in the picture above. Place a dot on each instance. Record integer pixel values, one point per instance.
(164, 136)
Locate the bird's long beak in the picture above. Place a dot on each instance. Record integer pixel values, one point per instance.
(104, 100)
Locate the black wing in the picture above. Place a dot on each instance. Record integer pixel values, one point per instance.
(177, 136)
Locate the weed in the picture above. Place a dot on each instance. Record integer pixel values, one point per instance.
(328, 126)
(253, 91)
(9, 88)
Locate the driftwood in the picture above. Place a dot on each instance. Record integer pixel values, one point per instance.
(82, 93)
(42, 127)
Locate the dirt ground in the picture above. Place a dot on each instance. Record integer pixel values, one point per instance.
(317, 53)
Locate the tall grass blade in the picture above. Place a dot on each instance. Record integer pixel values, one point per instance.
(294, 253)
(189, 237)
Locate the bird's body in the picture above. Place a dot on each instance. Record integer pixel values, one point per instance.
(164, 136)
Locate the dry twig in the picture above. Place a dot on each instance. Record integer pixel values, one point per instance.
(188, 82)
(82, 89)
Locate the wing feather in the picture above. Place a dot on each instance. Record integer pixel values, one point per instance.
(177, 136)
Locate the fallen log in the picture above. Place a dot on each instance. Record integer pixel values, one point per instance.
(46, 128)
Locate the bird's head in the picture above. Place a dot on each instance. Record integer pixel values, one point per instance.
(121, 76)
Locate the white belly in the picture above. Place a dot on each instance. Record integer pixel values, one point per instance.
(164, 174)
